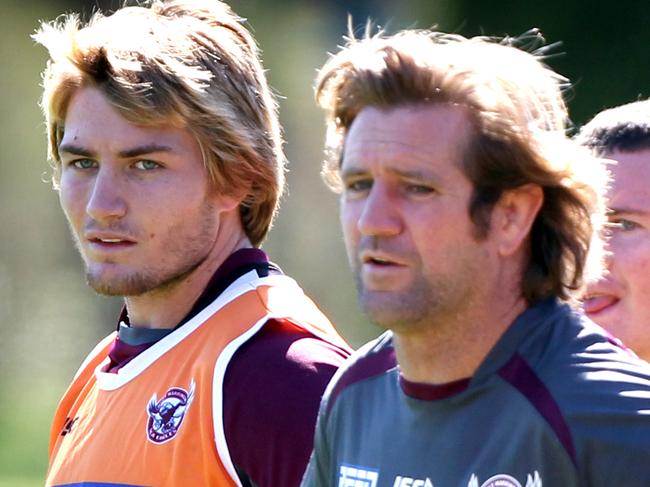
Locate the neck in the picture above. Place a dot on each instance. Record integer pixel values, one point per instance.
(165, 307)
(453, 350)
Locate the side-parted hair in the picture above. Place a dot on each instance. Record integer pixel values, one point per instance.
(625, 128)
(519, 135)
(187, 63)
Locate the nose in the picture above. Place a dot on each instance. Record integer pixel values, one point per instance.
(106, 202)
(380, 214)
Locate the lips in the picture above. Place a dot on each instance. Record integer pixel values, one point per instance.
(379, 259)
(108, 245)
(596, 304)
(108, 237)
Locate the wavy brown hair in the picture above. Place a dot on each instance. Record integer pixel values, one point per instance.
(519, 134)
(188, 63)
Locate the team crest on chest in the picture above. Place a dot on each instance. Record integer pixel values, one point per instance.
(166, 415)
(503, 480)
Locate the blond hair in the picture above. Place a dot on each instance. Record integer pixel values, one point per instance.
(519, 135)
(188, 63)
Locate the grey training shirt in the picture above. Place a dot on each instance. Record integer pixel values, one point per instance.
(556, 403)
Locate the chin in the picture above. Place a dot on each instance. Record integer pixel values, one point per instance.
(391, 314)
(113, 288)
(119, 285)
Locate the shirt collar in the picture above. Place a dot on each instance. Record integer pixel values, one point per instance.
(236, 265)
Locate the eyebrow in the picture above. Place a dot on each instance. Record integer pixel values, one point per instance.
(75, 149)
(352, 172)
(143, 150)
(125, 154)
(406, 174)
(411, 174)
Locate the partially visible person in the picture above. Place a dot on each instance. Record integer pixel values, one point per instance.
(167, 158)
(620, 301)
(468, 217)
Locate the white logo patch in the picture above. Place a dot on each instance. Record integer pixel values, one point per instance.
(503, 480)
(351, 476)
(411, 482)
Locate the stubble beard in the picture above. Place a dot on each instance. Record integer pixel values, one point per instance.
(430, 301)
(137, 284)
(396, 310)
(186, 251)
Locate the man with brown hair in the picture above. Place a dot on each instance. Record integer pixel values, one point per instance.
(618, 301)
(468, 216)
(167, 158)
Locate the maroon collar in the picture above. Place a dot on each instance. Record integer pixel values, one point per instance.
(236, 265)
(430, 392)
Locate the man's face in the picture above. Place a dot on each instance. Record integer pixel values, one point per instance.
(137, 199)
(404, 212)
(620, 302)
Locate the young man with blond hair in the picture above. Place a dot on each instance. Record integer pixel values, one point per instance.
(619, 301)
(167, 159)
(468, 216)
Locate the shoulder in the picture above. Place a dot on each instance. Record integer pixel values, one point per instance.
(595, 370)
(576, 359)
(96, 355)
(272, 391)
(280, 360)
(602, 390)
(371, 361)
(579, 351)
(290, 347)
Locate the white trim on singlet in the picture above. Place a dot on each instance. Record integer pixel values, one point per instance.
(217, 396)
(248, 282)
(93, 354)
(217, 390)
(219, 375)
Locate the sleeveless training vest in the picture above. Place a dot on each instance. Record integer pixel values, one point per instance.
(158, 421)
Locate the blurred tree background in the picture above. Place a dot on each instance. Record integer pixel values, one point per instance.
(49, 320)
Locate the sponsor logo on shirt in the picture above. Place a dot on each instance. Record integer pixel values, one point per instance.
(166, 415)
(503, 480)
(412, 482)
(353, 476)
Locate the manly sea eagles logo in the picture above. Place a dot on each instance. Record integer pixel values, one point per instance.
(166, 415)
(503, 480)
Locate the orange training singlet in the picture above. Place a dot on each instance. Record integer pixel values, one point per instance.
(158, 421)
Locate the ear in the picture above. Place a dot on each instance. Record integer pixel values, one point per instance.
(230, 202)
(513, 217)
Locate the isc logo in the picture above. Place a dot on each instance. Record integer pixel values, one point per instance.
(411, 482)
(350, 476)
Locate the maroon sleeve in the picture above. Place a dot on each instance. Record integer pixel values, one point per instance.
(272, 391)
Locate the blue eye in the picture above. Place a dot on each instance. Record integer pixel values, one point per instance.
(84, 164)
(146, 165)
